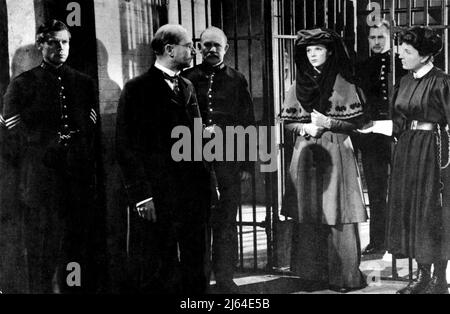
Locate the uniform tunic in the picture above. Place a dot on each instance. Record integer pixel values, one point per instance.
(376, 82)
(418, 225)
(52, 142)
(224, 100)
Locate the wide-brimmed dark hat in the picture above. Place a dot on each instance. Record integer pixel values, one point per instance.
(316, 36)
(322, 36)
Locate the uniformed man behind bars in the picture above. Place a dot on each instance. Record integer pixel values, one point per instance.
(51, 115)
(376, 82)
(224, 100)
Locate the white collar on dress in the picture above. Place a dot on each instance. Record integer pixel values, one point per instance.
(423, 70)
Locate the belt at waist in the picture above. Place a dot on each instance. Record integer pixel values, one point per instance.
(423, 126)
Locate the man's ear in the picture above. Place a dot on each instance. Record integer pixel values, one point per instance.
(169, 49)
(227, 46)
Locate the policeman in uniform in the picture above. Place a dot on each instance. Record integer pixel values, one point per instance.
(224, 100)
(51, 114)
(375, 149)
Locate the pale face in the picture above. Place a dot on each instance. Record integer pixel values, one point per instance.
(379, 39)
(411, 60)
(317, 55)
(213, 47)
(55, 50)
(183, 52)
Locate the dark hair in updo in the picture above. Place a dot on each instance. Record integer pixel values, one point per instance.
(424, 39)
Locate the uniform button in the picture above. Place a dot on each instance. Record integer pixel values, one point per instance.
(209, 121)
(384, 84)
(382, 78)
(64, 97)
(59, 78)
(384, 92)
(385, 98)
(383, 66)
(211, 110)
(383, 60)
(62, 87)
(66, 126)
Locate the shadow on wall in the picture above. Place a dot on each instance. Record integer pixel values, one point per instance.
(25, 58)
(109, 94)
(109, 89)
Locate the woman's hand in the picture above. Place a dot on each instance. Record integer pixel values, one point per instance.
(313, 130)
(367, 128)
(385, 127)
(320, 120)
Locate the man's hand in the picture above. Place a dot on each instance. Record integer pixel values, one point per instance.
(245, 175)
(147, 211)
(210, 130)
(313, 130)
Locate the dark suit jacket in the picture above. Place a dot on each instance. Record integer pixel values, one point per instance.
(148, 112)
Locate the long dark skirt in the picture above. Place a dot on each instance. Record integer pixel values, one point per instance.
(417, 224)
(327, 254)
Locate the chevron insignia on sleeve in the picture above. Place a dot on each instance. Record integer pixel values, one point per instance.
(93, 116)
(2, 121)
(12, 122)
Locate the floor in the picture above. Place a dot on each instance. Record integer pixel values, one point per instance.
(253, 279)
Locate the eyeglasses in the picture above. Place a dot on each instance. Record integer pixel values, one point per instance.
(188, 45)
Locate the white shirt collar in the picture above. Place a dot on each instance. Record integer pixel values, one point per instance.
(169, 72)
(423, 70)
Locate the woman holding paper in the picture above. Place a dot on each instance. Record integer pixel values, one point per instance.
(418, 223)
(321, 110)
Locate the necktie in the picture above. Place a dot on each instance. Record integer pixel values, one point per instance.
(174, 81)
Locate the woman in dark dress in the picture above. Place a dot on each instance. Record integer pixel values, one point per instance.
(321, 110)
(418, 223)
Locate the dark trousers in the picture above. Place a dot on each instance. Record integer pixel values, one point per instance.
(51, 246)
(169, 256)
(61, 232)
(223, 221)
(376, 155)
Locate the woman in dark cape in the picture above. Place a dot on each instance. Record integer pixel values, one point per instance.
(322, 110)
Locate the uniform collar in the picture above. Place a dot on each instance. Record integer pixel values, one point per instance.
(52, 69)
(423, 71)
(213, 69)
